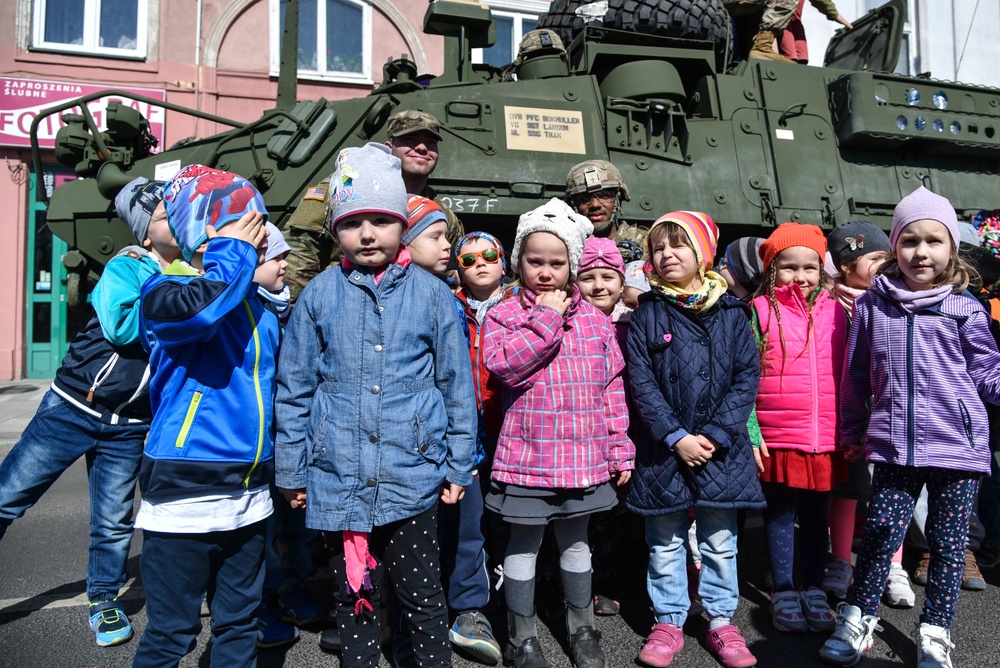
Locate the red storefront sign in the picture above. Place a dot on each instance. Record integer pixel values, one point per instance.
(22, 99)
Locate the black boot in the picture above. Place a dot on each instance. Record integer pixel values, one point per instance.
(527, 652)
(584, 640)
(528, 655)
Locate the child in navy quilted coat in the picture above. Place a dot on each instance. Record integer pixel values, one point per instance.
(694, 373)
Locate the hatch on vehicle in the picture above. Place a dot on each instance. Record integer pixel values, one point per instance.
(872, 44)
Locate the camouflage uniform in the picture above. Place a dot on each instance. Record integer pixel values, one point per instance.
(594, 175)
(314, 247)
(777, 13)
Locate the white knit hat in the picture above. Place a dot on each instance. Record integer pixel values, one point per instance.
(554, 217)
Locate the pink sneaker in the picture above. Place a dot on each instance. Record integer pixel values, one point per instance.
(661, 645)
(729, 647)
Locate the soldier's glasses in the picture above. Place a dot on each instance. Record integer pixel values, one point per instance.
(605, 194)
(490, 256)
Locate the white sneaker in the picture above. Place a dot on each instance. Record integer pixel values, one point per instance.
(898, 593)
(837, 578)
(933, 646)
(853, 636)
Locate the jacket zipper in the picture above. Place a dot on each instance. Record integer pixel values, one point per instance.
(260, 396)
(188, 419)
(909, 389)
(815, 391)
(966, 423)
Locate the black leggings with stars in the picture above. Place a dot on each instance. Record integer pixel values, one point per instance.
(408, 561)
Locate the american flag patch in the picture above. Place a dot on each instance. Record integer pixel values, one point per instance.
(316, 192)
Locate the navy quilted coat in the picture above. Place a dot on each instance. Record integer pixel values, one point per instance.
(692, 373)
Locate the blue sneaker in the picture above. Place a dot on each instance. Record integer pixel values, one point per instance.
(110, 623)
(299, 607)
(473, 633)
(272, 630)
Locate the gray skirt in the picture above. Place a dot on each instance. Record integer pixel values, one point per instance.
(537, 505)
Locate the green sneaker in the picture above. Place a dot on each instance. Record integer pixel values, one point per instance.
(110, 623)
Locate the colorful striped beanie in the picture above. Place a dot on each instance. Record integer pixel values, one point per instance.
(421, 214)
(700, 229)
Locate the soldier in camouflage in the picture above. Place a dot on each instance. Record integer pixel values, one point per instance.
(774, 18)
(596, 190)
(413, 138)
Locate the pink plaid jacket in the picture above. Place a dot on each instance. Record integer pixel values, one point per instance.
(565, 417)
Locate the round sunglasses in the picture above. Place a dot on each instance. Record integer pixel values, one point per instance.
(490, 256)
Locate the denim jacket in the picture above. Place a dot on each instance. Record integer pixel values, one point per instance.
(375, 406)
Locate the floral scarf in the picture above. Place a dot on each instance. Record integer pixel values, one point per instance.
(713, 286)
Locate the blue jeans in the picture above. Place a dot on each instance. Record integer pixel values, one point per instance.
(178, 569)
(666, 581)
(56, 437)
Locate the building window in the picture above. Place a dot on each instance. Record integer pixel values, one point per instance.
(93, 27)
(513, 18)
(334, 39)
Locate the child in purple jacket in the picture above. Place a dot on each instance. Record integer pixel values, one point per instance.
(564, 429)
(921, 349)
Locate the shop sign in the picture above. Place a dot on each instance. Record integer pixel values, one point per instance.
(23, 99)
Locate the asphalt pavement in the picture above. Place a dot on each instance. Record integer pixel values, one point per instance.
(43, 607)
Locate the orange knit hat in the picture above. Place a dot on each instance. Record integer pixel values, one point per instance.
(787, 235)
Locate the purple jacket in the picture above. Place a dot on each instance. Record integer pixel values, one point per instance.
(928, 361)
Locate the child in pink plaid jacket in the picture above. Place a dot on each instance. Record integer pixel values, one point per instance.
(563, 441)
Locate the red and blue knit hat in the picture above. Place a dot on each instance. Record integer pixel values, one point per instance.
(199, 196)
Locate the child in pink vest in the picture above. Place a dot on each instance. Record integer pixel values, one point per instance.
(802, 333)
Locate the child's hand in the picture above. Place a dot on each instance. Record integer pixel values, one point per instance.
(295, 497)
(757, 454)
(855, 452)
(557, 300)
(249, 228)
(621, 478)
(451, 493)
(694, 450)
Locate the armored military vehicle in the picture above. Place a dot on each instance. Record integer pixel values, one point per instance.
(645, 84)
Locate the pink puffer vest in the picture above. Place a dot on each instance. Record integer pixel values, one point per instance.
(797, 399)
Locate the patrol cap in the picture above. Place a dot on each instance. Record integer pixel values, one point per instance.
(409, 121)
(591, 175)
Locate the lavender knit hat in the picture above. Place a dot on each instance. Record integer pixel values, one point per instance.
(922, 204)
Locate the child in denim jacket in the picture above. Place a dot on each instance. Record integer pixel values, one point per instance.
(376, 413)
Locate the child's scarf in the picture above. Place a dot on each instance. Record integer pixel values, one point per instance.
(845, 295)
(402, 258)
(713, 286)
(360, 563)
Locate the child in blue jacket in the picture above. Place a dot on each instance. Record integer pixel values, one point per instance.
(694, 373)
(209, 457)
(376, 413)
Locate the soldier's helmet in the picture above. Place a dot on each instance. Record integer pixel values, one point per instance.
(541, 42)
(592, 175)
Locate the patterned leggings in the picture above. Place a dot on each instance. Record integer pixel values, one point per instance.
(951, 498)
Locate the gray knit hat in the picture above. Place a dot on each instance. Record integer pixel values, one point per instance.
(854, 239)
(555, 217)
(743, 257)
(276, 244)
(367, 179)
(136, 202)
